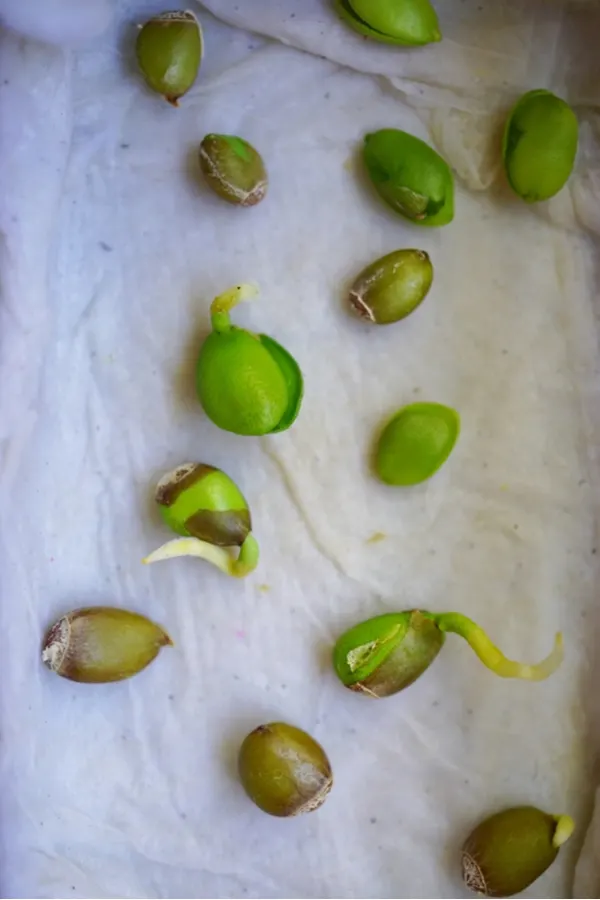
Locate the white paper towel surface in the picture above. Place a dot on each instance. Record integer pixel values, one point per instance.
(111, 252)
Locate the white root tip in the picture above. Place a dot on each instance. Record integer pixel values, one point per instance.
(218, 556)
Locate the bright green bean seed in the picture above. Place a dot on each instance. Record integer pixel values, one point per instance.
(540, 145)
(403, 22)
(416, 442)
(410, 176)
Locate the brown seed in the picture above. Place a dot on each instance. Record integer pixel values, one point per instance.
(101, 644)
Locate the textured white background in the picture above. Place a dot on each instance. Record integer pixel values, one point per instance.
(111, 250)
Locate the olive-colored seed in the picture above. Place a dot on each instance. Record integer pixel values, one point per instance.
(392, 287)
(387, 653)
(100, 644)
(233, 169)
(169, 52)
(508, 851)
(284, 770)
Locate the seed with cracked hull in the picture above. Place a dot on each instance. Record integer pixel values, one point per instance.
(540, 145)
(390, 288)
(247, 383)
(99, 644)
(198, 500)
(511, 849)
(403, 22)
(233, 169)
(203, 505)
(169, 52)
(284, 770)
(410, 176)
(386, 654)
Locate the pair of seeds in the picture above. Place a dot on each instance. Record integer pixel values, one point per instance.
(286, 772)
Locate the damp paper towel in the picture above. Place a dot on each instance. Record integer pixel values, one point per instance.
(111, 253)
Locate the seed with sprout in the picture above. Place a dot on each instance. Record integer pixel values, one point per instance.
(169, 52)
(390, 288)
(511, 849)
(203, 505)
(284, 770)
(247, 383)
(387, 653)
(99, 644)
(233, 169)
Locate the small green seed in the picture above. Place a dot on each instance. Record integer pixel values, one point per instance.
(410, 176)
(540, 145)
(233, 169)
(169, 52)
(510, 850)
(416, 443)
(101, 644)
(283, 770)
(402, 22)
(392, 287)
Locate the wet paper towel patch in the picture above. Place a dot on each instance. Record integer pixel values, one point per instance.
(112, 251)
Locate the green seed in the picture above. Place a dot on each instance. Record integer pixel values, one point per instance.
(169, 52)
(388, 653)
(246, 383)
(206, 507)
(392, 287)
(540, 145)
(410, 176)
(233, 169)
(510, 850)
(200, 501)
(416, 443)
(402, 22)
(283, 770)
(101, 644)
